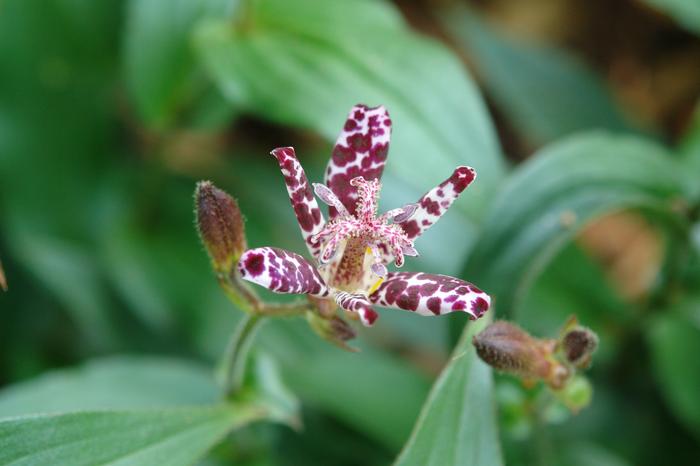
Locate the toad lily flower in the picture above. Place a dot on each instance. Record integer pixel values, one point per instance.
(351, 250)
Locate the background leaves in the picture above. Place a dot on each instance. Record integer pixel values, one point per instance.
(264, 66)
(161, 70)
(111, 111)
(538, 97)
(548, 199)
(686, 12)
(168, 437)
(672, 338)
(113, 383)
(457, 424)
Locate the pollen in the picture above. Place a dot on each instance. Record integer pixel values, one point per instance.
(376, 285)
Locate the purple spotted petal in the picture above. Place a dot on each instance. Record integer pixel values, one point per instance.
(360, 150)
(359, 304)
(301, 196)
(282, 272)
(429, 294)
(436, 201)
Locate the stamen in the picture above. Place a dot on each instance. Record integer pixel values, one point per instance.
(330, 249)
(376, 285)
(379, 269)
(407, 212)
(367, 196)
(328, 196)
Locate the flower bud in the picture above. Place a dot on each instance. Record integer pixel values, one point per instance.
(508, 348)
(332, 329)
(578, 345)
(576, 394)
(220, 226)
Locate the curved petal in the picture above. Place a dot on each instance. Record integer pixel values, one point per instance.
(301, 196)
(359, 304)
(429, 294)
(435, 202)
(282, 272)
(360, 150)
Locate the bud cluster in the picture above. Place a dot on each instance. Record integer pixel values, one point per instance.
(508, 348)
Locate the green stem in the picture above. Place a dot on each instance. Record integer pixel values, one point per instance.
(543, 445)
(236, 354)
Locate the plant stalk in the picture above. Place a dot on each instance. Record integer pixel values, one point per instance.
(236, 355)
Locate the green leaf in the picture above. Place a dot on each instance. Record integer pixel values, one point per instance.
(112, 383)
(686, 12)
(675, 341)
(551, 196)
(159, 61)
(177, 436)
(457, 425)
(551, 95)
(305, 63)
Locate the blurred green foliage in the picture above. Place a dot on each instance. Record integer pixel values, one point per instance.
(110, 112)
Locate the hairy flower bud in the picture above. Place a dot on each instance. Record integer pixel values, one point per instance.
(578, 345)
(220, 226)
(508, 348)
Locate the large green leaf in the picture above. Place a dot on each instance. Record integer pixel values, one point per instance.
(305, 63)
(159, 63)
(551, 196)
(686, 12)
(551, 95)
(457, 425)
(177, 436)
(675, 340)
(112, 383)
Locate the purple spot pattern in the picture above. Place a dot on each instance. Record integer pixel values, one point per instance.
(428, 294)
(360, 150)
(435, 202)
(282, 272)
(301, 196)
(353, 176)
(359, 304)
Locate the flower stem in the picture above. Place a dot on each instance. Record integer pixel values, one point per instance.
(236, 355)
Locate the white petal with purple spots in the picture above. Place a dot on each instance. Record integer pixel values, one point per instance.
(282, 272)
(428, 294)
(301, 196)
(359, 304)
(360, 150)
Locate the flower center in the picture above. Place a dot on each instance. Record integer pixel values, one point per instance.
(361, 233)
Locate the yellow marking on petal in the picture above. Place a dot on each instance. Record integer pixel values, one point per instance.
(375, 286)
(368, 250)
